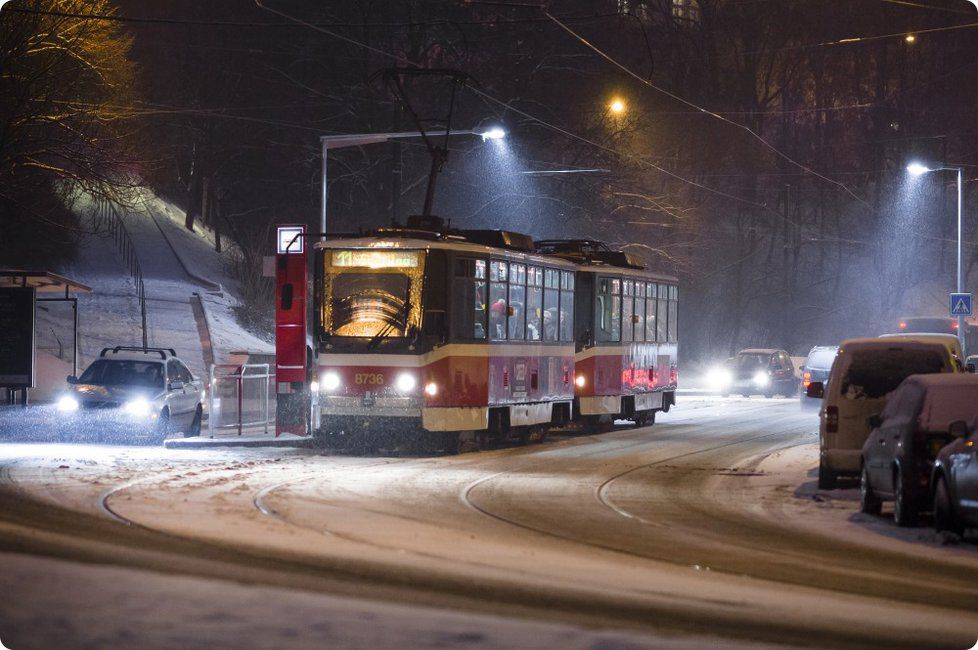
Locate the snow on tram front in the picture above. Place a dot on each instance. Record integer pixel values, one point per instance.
(431, 340)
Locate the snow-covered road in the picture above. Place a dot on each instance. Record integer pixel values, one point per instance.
(703, 527)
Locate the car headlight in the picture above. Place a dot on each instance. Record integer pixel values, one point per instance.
(67, 404)
(762, 378)
(718, 377)
(406, 382)
(138, 407)
(330, 381)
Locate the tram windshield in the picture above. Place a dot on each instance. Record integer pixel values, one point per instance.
(372, 293)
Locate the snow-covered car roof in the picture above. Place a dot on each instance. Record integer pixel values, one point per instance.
(903, 342)
(145, 357)
(947, 398)
(760, 351)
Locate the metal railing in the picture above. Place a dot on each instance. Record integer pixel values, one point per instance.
(238, 396)
(106, 214)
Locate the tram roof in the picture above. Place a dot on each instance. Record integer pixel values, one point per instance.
(461, 245)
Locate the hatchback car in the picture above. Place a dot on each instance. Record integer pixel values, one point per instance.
(863, 374)
(765, 371)
(954, 481)
(132, 394)
(899, 453)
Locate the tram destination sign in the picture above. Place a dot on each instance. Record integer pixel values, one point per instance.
(17, 337)
(376, 259)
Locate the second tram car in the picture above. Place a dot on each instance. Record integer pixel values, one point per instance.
(627, 333)
(449, 339)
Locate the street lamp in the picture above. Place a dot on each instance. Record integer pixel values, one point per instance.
(617, 106)
(359, 139)
(917, 169)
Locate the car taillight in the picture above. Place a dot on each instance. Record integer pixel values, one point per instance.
(674, 376)
(832, 419)
(806, 380)
(903, 325)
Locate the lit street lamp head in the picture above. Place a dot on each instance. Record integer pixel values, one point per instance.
(916, 169)
(617, 106)
(493, 134)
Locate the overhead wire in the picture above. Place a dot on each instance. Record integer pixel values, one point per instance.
(705, 111)
(506, 106)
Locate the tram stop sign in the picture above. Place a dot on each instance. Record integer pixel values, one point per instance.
(960, 304)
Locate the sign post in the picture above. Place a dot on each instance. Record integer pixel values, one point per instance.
(291, 360)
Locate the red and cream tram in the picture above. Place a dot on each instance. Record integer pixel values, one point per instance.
(627, 328)
(448, 339)
(443, 338)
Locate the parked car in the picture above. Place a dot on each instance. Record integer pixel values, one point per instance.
(864, 372)
(971, 363)
(899, 453)
(816, 368)
(765, 371)
(954, 480)
(133, 394)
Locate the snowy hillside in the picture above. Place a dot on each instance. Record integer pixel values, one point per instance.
(189, 298)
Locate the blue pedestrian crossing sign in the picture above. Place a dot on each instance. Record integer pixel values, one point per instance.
(960, 304)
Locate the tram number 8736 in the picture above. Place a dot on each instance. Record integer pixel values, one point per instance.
(368, 379)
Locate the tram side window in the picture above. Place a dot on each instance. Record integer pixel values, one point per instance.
(661, 332)
(469, 299)
(639, 311)
(627, 309)
(650, 294)
(517, 301)
(566, 306)
(673, 314)
(534, 303)
(551, 304)
(608, 307)
(498, 309)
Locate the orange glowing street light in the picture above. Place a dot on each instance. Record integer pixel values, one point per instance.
(617, 106)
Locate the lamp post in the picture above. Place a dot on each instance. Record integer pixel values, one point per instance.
(359, 139)
(917, 169)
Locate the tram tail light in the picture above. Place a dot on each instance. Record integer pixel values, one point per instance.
(566, 376)
(831, 419)
(674, 376)
(505, 378)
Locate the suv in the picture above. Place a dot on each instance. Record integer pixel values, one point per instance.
(864, 373)
(146, 392)
(765, 371)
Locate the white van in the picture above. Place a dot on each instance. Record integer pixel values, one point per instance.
(950, 341)
(865, 371)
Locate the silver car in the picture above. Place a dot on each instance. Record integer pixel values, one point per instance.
(133, 394)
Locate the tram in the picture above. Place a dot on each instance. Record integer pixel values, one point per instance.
(434, 338)
(627, 333)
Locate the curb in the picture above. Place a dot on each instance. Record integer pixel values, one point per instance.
(213, 286)
(207, 443)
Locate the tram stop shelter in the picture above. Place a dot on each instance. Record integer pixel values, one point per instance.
(20, 291)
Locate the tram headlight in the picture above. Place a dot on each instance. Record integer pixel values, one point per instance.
(431, 389)
(331, 381)
(67, 404)
(762, 379)
(580, 381)
(406, 382)
(314, 387)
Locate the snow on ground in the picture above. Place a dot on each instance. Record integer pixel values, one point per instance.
(123, 608)
(787, 486)
(110, 315)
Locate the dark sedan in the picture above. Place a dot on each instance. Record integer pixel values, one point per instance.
(898, 456)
